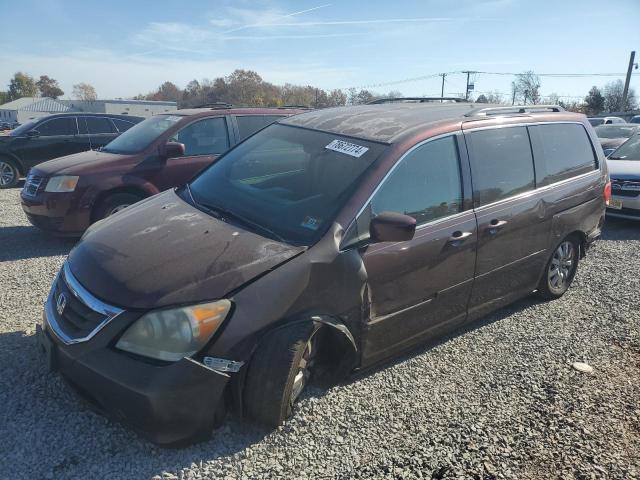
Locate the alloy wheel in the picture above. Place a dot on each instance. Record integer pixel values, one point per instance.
(7, 174)
(562, 266)
(305, 366)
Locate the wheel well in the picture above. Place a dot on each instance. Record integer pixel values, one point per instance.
(582, 241)
(16, 161)
(132, 190)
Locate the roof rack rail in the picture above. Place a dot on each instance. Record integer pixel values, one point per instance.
(295, 106)
(513, 109)
(213, 105)
(415, 100)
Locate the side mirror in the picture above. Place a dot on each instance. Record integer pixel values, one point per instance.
(392, 227)
(33, 133)
(172, 149)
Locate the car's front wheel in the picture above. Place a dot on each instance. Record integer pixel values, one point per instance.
(9, 173)
(113, 204)
(560, 270)
(279, 371)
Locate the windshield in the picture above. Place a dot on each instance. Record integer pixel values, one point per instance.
(22, 129)
(630, 150)
(615, 131)
(284, 182)
(140, 136)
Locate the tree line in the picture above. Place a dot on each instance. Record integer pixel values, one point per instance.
(246, 87)
(525, 89)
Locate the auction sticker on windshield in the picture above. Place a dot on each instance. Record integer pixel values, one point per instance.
(347, 148)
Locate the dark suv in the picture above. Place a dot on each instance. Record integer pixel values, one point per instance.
(322, 244)
(64, 196)
(54, 136)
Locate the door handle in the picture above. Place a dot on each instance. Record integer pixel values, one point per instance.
(458, 237)
(495, 225)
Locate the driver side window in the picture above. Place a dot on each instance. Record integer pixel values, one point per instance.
(426, 185)
(205, 137)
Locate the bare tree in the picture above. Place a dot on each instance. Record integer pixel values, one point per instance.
(552, 99)
(527, 87)
(84, 91)
(613, 96)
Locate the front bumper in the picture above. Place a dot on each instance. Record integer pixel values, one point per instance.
(170, 404)
(55, 212)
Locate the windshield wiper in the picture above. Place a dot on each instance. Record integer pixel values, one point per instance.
(225, 215)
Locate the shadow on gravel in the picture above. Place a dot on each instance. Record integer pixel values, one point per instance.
(22, 242)
(620, 229)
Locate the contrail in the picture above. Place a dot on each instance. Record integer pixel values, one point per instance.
(282, 16)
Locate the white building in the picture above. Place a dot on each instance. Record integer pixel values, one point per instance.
(26, 108)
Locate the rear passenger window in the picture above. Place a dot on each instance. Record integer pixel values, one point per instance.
(426, 185)
(250, 124)
(561, 151)
(122, 125)
(501, 163)
(98, 125)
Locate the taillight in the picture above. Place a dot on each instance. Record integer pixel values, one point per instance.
(607, 193)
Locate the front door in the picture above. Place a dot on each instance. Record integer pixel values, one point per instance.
(204, 140)
(418, 286)
(54, 139)
(513, 228)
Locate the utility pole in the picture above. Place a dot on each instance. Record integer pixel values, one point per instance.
(466, 92)
(513, 89)
(442, 91)
(628, 79)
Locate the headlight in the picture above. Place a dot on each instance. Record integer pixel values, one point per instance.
(175, 333)
(62, 183)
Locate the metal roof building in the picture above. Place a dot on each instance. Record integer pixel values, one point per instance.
(26, 108)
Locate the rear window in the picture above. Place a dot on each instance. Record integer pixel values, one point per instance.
(250, 124)
(615, 131)
(122, 125)
(561, 151)
(95, 125)
(502, 164)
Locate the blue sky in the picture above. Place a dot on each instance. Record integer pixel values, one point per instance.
(128, 47)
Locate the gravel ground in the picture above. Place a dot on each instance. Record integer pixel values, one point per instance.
(500, 400)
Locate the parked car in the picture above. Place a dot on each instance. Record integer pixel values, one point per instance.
(64, 196)
(624, 169)
(635, 119)
(612, 136)
(53, 136)
(4, 126)
(325, 243)
(595, 121)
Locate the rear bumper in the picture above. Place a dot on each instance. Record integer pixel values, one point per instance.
(170, 405)
(56, 213)
(630, 208)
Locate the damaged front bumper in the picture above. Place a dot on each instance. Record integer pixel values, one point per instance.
(170, 404)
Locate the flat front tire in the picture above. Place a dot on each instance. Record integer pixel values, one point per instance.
(560, 269)
(9, 173)
(279, 371)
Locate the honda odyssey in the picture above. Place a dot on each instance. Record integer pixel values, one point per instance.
(321, 245)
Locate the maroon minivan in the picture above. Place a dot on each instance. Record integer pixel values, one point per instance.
(325, 243)
(65, 195)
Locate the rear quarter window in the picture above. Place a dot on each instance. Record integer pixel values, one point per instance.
(501, 163)
(561, 151)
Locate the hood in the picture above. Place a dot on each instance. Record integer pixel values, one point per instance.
(79, 163)
(612, 142)
(163, 252)
(624, 169)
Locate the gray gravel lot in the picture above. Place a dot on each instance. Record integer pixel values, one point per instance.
(497, 401)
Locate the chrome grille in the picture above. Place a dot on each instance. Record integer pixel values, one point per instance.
(73, 313)
(625, 188)
(32, 185)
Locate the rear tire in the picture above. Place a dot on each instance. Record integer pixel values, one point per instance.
(9, 173)
(114, 203)
(279, 371)
(560, 269)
